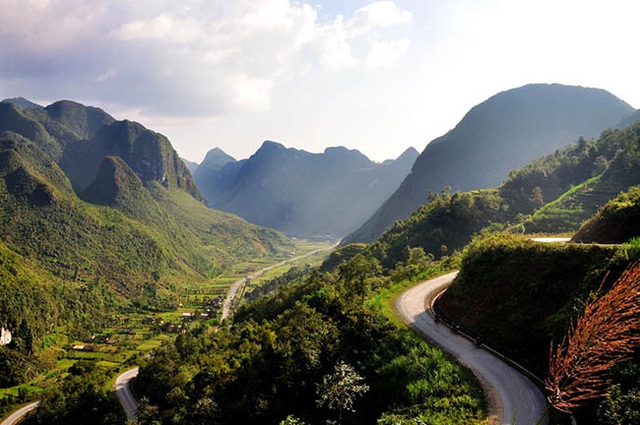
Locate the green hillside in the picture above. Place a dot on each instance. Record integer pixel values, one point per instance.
(617, 222)
(442, 226)
(138, 237)
(71, 263)
(501, 134)
(553, 194)
(518, 296)
(576, 182)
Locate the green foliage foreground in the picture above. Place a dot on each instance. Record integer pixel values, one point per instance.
(312, 353)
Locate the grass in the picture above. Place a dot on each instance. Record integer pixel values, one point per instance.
(149, 345)
(385, 302)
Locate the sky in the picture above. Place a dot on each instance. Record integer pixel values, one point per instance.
(376, 76)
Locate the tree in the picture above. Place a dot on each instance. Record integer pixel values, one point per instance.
(292, 420)
(536, 200)
(358, 272)
(339, 390)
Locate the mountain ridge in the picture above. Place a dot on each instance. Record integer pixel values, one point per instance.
(78, 137)
(496, 136)
(302, 193)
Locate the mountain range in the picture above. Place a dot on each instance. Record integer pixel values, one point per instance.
(301, 193)
(79, 137)
(501, 134)
(96, 215)
(100, 216)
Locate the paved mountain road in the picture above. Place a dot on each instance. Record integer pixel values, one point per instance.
(125, 395)
(18, 415)
(231, 295)
(509, 392)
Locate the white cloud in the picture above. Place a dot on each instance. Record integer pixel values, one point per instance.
(188, 57)
(386, 53)
(332, 45)
(48, 25)
(379, 14)
(271, 15)
(252, 93)
(171, 64)
(165, 28)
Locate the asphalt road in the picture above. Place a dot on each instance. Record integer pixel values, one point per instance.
(228, 301)
(125, 395)
(19, 414)
(510, 394)
(127, 400)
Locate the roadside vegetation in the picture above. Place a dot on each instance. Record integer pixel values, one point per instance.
(519, 296)
(273, 362)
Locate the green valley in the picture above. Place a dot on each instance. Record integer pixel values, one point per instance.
(126, 266)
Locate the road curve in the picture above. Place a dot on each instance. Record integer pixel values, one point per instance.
(509, 392)
(123, 391)
(125, 395)
(17, 415)
(226, 305)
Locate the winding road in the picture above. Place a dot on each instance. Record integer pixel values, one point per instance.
(510, 394)
(125, 395)
(123, 391)
(228, 301)
(19, 414)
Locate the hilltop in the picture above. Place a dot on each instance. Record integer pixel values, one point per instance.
(501, 134)
(78, 137)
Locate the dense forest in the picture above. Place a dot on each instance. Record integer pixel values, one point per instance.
(315, 345)
(555, 194)
(313, 351)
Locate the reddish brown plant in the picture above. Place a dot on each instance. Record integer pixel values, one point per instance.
(606, 334)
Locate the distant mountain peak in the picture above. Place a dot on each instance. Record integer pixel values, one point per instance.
(270, 144)
(302, 193)
(339, 150)
(410, 153)
(22, 103)
(217, 152)
(215, 159)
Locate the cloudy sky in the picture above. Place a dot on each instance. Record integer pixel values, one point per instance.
(377, 76)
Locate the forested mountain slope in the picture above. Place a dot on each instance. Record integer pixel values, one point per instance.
(78, 137)
(136, 232)
(617, 222)
(501, 134)
(554, 194)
